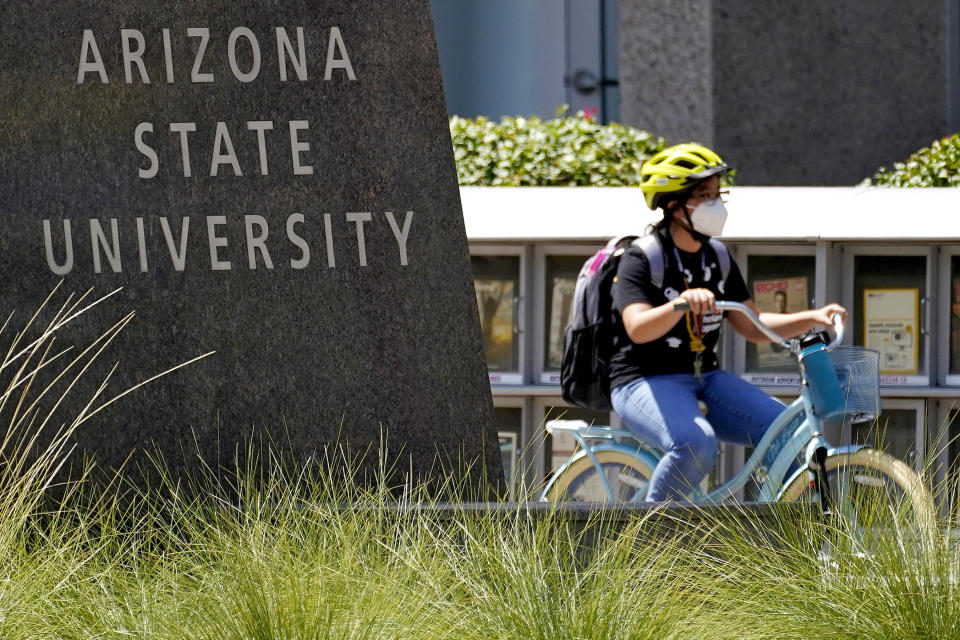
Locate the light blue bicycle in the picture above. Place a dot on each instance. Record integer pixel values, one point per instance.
(838, 383)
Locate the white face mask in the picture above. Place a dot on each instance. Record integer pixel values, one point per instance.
(708, 218)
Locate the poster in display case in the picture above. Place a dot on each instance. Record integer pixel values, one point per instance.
(777, 282)
(495, 299)
(561, 314)
(559, 284)
(891, 325)
(779, 295)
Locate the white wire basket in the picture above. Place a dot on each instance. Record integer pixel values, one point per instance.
(858, 370)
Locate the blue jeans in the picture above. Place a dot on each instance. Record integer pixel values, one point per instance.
(662, 411)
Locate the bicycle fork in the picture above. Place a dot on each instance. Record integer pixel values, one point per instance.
(817, 472)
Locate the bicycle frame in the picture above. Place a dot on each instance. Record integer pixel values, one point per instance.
(796, 431)
(803, 432)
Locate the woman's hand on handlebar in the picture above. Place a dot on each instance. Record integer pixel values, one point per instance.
(791, 325)
(824, 315)
(700, 301)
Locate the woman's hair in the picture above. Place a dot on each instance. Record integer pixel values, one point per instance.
(653, 227)
(668, 208)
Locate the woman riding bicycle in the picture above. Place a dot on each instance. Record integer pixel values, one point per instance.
(664, 359)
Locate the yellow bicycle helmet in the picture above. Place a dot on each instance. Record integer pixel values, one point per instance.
(676, 169)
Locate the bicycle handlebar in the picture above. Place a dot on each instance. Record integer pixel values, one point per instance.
(838, 328)
(776, 338)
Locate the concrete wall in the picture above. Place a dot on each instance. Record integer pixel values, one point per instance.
(501, 57)
(791, 93)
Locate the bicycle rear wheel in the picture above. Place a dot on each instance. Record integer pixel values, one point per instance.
(873, 493)
(627, 476)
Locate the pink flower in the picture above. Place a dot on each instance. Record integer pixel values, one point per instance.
(589, 113)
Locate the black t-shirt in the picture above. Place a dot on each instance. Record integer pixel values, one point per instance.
(670, 353)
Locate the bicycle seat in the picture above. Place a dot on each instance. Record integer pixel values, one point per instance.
(585, 430)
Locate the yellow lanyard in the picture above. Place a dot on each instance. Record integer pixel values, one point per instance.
(696, 342)
(696, 335)
(694, 328)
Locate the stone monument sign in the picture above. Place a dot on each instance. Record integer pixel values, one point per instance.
(270, 181)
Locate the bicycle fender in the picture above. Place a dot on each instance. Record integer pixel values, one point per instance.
(831, 451)
(645, 456)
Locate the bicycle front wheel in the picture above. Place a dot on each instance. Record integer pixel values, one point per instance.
(871, 491)
(627, 477)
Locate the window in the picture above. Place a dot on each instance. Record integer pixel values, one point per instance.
(509, 428)
(898, 431)
(556, 271)
(782, 284)
(952, 445)
(561, 280)
(496, 280)
(889, 299)
(955, 315)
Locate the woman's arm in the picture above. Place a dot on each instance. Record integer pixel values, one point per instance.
(788, 325)
(646, 323)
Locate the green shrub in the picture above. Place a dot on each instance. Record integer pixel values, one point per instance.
(935, 166)
(564, 151)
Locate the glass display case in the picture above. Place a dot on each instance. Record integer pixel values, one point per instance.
(889, 309)
(560, 280)
(898, 431)
(510, 434)
(780, 284)
(953, 324)
(496, 281)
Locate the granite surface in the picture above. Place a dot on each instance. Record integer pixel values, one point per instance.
(814, 93)
(666, 71)
(272, 182)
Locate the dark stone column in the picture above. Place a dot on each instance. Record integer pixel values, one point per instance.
(315, 243)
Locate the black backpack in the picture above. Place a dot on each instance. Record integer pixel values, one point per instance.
(588, 339)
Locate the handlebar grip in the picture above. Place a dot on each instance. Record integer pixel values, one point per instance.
(681, 305)
(837, 321)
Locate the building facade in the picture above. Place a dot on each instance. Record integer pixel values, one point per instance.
(815, 93)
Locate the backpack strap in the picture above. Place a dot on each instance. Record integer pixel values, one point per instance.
(650, 245)
(723, 255)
